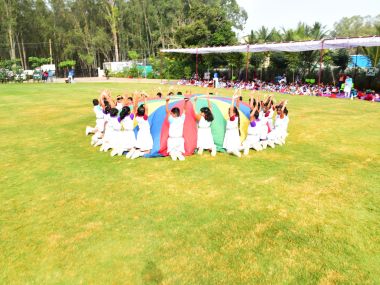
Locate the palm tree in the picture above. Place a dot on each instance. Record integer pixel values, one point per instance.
(374, 52)
(318, 32)
(305, 32)
(309, 59)
(251, 38)
(288, 35)
(263, 35)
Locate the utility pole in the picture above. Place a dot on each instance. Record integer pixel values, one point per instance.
(247, 65)
(356, 64)
(51, 55)
(320, 64)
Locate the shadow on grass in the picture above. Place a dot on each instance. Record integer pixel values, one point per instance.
(151, 274)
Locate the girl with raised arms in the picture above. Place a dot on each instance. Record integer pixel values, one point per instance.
(176, 142)
(144, 141)
(254, 128)
(232, 136)
(205, 141)
(126, 137)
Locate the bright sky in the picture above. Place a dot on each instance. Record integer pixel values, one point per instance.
(287, 13)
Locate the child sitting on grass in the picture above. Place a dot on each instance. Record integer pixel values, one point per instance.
(279, 133)
(232, 135)
(126, 139)
(204, 138)
(99, 126)
(254, 129)
(144, 141)
(176, 142)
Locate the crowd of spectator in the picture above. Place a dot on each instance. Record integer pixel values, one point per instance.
(298, 88)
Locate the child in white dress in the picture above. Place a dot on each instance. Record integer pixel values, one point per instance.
(103, 138)
(204, 138)
(144, 141)
(269, 114)
(99, 126)
(98, 130)
(99, 110)
(254, 129)
(126, 137)
(108, 105)
(176, 142)
(232, 136)
(266, 119)
(279, 133)
(119, 103)
(113, 127)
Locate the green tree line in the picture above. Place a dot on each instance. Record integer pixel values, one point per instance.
(94, 31)
(90, 32)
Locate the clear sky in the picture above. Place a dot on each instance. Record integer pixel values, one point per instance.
(287, 13)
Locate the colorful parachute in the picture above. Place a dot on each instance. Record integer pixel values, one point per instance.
(159, 125)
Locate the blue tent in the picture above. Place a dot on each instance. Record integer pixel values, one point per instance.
(145, 69)
(361, 61)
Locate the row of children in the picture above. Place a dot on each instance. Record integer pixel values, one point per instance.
(345, 88)
(115, 126)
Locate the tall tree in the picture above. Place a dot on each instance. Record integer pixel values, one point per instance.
(374, 52)
(356, 26)
(9, 18)
(112, 16)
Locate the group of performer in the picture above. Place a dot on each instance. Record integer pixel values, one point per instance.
(115, 122)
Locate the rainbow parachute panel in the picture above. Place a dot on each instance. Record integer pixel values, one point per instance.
(159, 124)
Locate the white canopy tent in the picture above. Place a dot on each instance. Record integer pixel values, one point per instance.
(286, 47)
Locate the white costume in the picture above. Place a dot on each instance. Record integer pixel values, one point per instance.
(232, 138)
(270, 118)
(347, 87)
(144, 140)
(127, 138)
(105, 142)
(253, 137)
(205, 139)
(99, 118)
(284, 128)
(279, 133)
(119, 106)
(264, 127)
(99, 127)
(114, 128)
(176, 142)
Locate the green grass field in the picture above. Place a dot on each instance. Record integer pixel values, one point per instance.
(304, 213)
